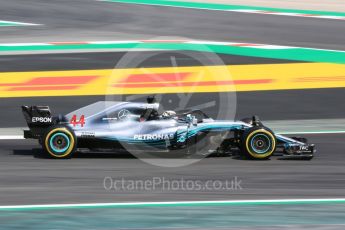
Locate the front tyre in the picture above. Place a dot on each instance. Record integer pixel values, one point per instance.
(258, 143)
(59, 142)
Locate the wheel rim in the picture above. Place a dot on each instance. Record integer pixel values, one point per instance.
(260, 143)
(59, 143)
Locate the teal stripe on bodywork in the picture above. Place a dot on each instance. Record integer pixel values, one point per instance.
(192, 132)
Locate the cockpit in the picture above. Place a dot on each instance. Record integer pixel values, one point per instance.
(105, 111)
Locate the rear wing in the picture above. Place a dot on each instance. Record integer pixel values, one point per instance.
(38, 119)
(37, 115)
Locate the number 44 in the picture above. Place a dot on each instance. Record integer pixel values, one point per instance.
(74, 121)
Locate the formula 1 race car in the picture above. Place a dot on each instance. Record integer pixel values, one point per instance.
(133, 126)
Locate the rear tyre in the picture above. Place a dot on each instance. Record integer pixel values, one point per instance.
(59, 142)
(258, 143)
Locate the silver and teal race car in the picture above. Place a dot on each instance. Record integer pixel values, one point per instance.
(132, 126)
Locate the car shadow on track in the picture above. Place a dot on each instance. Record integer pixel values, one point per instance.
(38, 153)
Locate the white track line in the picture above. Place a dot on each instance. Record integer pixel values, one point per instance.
(172, 203)
(237, 44)
(314, 132)
(239, 10)
(113, 42)
(11, 137)
(195, 42)
(288, 14)
(20, 23)
(25, 44)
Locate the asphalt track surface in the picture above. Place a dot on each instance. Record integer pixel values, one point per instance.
(93, 20)
(28, 179)
(109, 60)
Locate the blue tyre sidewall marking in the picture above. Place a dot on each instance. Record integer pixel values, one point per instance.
(59, 150)
(260, 151)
